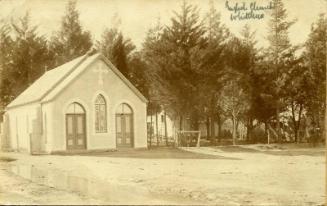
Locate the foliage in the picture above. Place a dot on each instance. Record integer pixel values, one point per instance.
(315, 75)
(276, 56)
(24, 59)
(70, 41)
(117, 49)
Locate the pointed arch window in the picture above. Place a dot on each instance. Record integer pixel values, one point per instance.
(100, 114)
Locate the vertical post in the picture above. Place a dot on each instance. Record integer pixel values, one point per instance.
(268, 136)
(17, 138)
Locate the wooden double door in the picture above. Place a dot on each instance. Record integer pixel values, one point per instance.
(124, 130)
(75, 131)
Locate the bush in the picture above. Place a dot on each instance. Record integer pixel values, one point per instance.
(226, 134)
(257, 135)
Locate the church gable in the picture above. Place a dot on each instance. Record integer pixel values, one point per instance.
(95, 73)
(49, 85)
(99, 90)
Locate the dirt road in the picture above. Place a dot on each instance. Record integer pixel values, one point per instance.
(223, 176)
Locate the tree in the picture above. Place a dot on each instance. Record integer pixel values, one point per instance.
(70, 41)
(184, 39)
(211, 70)
(315, 59)
(26, 60)
(154, 56)
(278, 48)
(234, 103)
(6, 44)
(117, 49)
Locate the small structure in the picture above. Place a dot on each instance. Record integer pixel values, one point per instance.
(85, 104)
(189, 138)
(161, 126)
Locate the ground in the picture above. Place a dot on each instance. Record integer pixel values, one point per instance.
(240, 175)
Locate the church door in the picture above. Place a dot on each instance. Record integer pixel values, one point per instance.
(124, 126)
(75, 127)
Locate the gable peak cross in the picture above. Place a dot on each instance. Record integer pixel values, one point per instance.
(100, 69)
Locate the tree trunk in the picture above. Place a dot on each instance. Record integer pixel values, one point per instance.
(219, 127)
(294, 122)
(195, 121)
(157, 128)
(272, 130)
(266, 132)
(165, 122)
(151, 127)
(325, 127)
(277, 121)
(249, 129)
(237, 131)
(212, 117)
(208, 126)
(299, 124)
(318, 124)
(268, 136)
(181, 123)
(306, 131)
(234, 130)
(212, 125)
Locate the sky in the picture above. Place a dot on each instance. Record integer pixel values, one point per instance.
(137, 16)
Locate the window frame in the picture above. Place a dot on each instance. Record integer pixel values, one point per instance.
(100, 110)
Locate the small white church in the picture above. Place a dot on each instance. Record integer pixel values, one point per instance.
(85, 104)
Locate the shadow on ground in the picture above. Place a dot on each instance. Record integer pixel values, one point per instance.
(7, 159)
(314, 151)
(154, 153)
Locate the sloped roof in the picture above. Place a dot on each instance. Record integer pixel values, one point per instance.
(51, 80)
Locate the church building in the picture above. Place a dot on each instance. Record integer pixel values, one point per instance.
(85, 104)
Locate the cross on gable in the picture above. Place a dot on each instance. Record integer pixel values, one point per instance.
(100, 69)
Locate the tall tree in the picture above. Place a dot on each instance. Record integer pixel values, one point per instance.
(185, 39)
(315, 59)
(117, 49)
(249, 83)
(296, 88)
(29, 56)
(70, 41)
(211, 70)
(279, 46)
(6, 47)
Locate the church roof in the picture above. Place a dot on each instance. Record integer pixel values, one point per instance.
(50, 81)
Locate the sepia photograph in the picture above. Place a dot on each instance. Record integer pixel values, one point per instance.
(163, 102)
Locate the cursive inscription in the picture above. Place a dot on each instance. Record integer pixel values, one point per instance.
(247, 10)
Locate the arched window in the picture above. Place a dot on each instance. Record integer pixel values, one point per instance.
(100, 114)
(75, 108)
(124, 109)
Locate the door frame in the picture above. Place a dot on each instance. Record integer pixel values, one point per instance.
(84, 124)
(132, 143)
